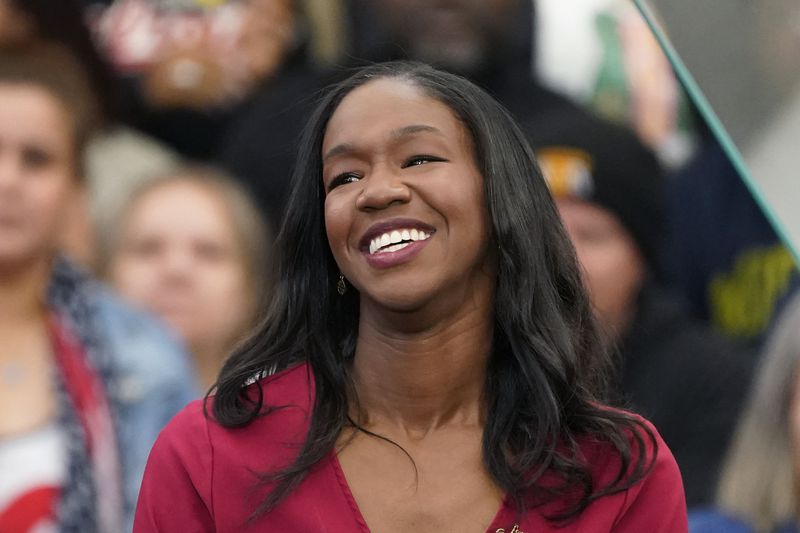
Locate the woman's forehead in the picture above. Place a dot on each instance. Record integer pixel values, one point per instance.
(386, 107)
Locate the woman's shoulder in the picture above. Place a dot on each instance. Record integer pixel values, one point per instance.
(292, 387)
(602, 450)
(654, 484)
(664, 472)
(287, 398)
(195, 454)
(294, 384)
(648, 450)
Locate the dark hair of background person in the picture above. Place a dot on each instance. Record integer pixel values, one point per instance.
(62, 21)
(54, 69)
(544, 381)
(500, 31)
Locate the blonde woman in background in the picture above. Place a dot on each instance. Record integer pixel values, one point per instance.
(192, 247)
(758, 490)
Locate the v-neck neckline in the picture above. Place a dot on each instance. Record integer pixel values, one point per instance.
(501, 516)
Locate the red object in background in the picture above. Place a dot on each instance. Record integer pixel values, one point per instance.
(35, 508)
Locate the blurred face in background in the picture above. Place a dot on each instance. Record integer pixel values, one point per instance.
(794, 426)
(266, 35)
(38, 182)
(15, 26)
(612, 266)
(179, 255)
(228, 53)
(459, 35)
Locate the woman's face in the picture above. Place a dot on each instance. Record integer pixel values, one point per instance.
(179, 255)
(613, 269)
(266, 35)
(794, 423)
(37, 172)
(16, 26)
(405, 211)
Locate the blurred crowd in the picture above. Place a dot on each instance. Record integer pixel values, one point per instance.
(146, 151)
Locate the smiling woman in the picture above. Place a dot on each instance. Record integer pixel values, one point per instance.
(429, 361)
(398, 161)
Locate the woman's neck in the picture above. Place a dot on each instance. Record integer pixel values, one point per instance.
(208, 360)
(426, 378)
(22, 291)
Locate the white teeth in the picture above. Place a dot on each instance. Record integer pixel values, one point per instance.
(393, 241)
(395, 247)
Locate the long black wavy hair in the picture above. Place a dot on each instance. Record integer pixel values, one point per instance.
(547, 371)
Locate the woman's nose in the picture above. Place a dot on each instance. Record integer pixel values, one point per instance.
(176, 265)
(381, 189)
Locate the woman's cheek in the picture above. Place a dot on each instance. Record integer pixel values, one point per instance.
(337, 223)
(794, 426)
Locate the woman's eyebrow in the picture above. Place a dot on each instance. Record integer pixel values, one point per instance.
(339, 149)
(405, 131)
(395, 135)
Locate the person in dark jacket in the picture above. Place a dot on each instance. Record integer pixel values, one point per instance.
(673, 369)
(490, 42)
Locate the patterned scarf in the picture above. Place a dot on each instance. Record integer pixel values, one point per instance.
(91, 498)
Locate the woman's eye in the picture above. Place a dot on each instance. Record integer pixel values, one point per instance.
(421, 160)
(341, 179)
(36, 158)
(145, 248)
(210, 252)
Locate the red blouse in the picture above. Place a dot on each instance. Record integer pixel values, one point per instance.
(203, 477)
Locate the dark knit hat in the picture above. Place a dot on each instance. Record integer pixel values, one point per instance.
(589, 159)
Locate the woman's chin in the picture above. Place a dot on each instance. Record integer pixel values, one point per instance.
(395, 301)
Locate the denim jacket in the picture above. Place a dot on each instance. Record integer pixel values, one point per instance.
(156, 380)
(714, 521)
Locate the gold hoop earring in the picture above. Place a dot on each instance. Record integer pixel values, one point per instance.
(341, 285)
